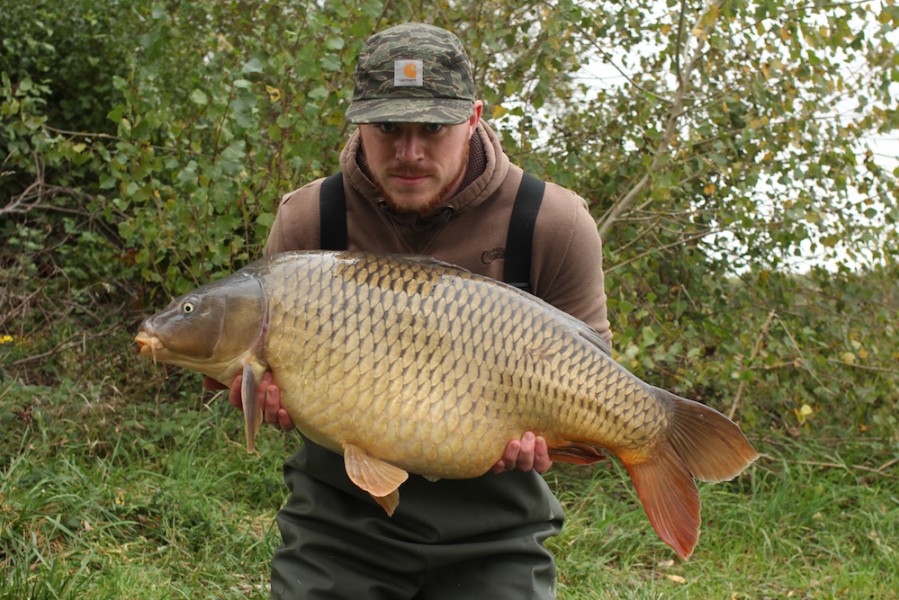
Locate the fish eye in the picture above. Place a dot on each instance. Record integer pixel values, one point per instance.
(187, 308)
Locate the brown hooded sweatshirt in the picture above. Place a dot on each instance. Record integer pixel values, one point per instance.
(469, 230)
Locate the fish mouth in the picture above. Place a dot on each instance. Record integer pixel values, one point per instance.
(148, 345)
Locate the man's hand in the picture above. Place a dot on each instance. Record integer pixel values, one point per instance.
(269, 399)
(528, 453)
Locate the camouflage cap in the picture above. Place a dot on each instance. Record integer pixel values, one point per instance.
(412, 73)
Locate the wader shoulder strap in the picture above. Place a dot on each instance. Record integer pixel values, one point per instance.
(332, 207)
(517, 270)
(519, 240)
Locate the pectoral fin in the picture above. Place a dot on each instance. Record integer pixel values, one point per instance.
(380, 479)
(252, 412)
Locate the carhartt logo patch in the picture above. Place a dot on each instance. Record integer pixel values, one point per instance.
(407, 73)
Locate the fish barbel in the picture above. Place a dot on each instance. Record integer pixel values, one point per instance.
(406, 364)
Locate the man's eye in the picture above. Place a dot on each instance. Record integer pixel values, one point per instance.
(387, 127)
(432, 127)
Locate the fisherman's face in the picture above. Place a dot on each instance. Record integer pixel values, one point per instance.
(418, 166)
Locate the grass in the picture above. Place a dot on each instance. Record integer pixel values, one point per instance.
(794, 526)
(103, 496)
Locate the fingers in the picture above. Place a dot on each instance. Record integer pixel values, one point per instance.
(542, 461)
(269, 396)
(530, 452)
(269, 399)
(284, 420)
(275, 414)
(234, 393)
(509, 458)
(525, 460)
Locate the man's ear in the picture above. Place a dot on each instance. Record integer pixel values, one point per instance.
(476, 112)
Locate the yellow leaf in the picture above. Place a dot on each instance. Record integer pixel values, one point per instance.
(803, 413)
(499, 110)
(848, 358)
(274, 94)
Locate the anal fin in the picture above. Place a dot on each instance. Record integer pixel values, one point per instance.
(576, 453)
(377, 477)
(388, 502)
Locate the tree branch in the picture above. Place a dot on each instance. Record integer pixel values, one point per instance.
(755, 352)
(674, 115)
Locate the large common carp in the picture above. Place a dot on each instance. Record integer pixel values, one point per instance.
(405, 364)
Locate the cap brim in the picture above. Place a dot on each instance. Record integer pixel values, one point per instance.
(444, 111)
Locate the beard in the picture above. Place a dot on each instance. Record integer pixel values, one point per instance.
(435, 201)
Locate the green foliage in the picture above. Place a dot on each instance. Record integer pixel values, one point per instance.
(750, 232)
(742, 125)
(72, 50)
(731, 166)
(105, 498)
(147, 145)
(773, 348)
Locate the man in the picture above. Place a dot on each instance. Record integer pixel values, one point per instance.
(424, 175)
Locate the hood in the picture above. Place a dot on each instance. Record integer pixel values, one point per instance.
(487, 169)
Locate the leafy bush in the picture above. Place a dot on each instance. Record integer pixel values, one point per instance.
(147, 144)
(750, 244)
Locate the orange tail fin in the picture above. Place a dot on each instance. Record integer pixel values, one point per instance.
(701, 443)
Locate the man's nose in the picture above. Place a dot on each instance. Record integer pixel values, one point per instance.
(409, 147)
